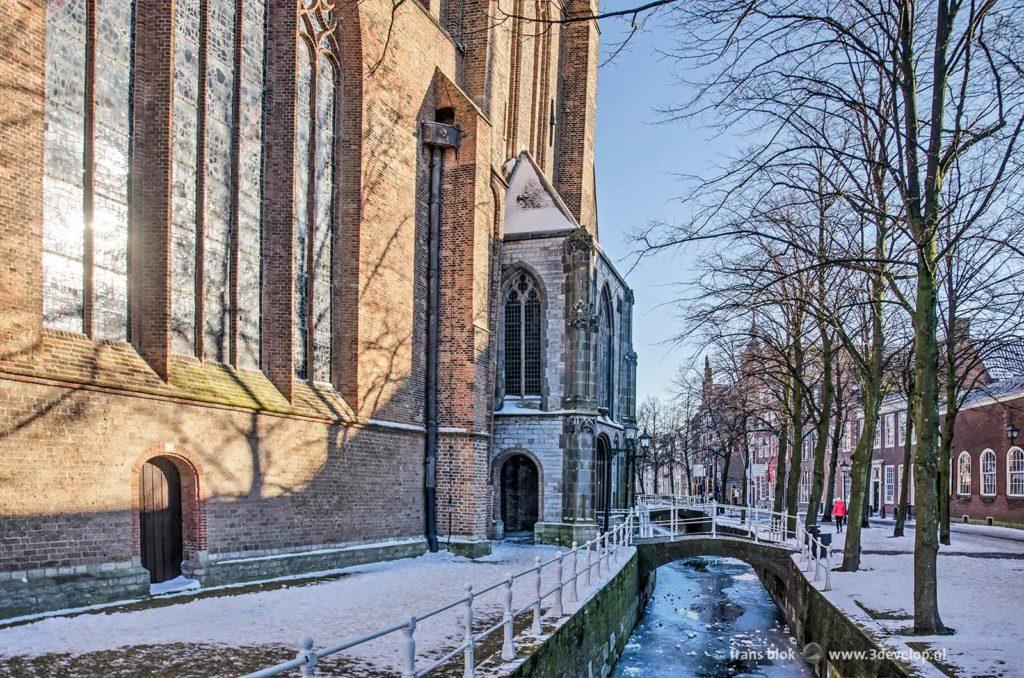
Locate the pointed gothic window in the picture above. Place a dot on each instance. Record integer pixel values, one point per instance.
(605, 354)
(314, 181)
(215, 217)
(86, 163)
(522, 337)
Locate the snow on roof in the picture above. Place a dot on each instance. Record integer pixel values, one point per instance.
(1005, 362)
(531, 202)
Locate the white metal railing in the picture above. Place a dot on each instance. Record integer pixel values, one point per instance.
(760, 525)
(602, 553)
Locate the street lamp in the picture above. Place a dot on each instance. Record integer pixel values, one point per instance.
(1011, 432)
(845, 467)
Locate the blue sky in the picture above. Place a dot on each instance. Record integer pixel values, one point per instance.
(638, 160)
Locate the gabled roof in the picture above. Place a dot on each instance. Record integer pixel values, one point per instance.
(531, 203)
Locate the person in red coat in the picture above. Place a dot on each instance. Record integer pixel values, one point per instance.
(839, 513)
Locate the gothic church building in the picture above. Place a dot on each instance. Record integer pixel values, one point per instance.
(289, 285)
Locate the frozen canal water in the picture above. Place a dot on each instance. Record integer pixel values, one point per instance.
(710, 617)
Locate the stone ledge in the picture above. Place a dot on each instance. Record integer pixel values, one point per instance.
(283, 565)
(564, 534)
(30, 595)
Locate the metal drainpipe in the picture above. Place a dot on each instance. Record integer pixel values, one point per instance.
(437, 136)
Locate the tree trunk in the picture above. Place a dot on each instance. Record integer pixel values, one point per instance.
(926, 364)
(796, 450)
(780, 463)
(821, 444)
(901, 510)
(859, 473)
(837, 437)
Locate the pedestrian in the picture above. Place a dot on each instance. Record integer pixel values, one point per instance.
(839, 513)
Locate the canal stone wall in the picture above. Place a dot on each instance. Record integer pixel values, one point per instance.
(590, 641)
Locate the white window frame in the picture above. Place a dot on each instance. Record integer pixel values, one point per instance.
(963, 480)
(889, 484)
(901, 426)
(890, 430)
(987, 469)
(878, 433)
(899, 484)
(1011, 473)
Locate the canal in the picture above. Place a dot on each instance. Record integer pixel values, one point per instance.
(710, 617)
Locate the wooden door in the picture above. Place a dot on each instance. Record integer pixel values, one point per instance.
(519, 494)
(160, 519)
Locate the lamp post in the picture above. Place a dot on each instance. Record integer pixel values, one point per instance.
(1011, 432)
(845, 467)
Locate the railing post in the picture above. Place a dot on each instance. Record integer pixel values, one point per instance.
(817, 561)
(306, 653)
(537, 614)
(559, 611)
(508, 649)
(828, 568)
(714, 519)
(575, 597)
(590, 550)
(604, 556)
(469, 671)
(410, 649)
(672, 521)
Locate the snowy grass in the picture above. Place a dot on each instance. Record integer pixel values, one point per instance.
(979, 597)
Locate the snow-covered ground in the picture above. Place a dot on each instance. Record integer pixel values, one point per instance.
(270, 620)
(979, 597)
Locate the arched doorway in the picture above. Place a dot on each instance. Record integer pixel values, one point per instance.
(519, 494)
(160, 519)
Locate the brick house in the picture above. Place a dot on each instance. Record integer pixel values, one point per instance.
(986, 475)
(252, 262)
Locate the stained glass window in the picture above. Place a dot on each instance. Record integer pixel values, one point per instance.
(522, 337)
(184, 208)
(216, 202)
(85, 213)
(315, 159)
(250, 139)
(605, 353)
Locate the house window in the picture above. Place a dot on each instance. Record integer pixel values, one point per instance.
(878, 433)
(899, 482)
(890, 433)
(988, 473)
(522, 337)
(890, 484)
(86, 160)
(315, 148)
(902, 429)
(1015, 472)
(964, 474)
